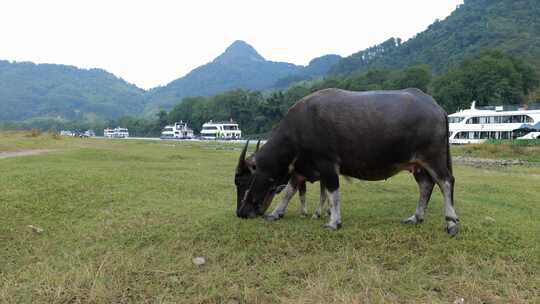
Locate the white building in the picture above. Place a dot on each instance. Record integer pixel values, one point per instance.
(221, 130)
(478, 125)
(66, 133)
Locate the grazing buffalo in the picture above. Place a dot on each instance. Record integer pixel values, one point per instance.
(366, 135)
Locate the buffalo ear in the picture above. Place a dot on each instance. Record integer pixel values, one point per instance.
(242, 160)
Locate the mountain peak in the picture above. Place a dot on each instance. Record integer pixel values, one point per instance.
(239, 51)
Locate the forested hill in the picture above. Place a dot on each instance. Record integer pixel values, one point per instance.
(240, 66)
(512, 26)
(60, 92)
(29, 90)
(317, 67)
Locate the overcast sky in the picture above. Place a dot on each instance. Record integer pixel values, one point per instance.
(151, 43)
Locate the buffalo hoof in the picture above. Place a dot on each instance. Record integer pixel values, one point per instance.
(272, 217)
(316, 216)
(332, 226)
(303, 214)
(452, 229)
(413, 220)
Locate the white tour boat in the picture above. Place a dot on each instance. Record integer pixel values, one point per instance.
(116, 133)
(221, 130)
(180, 130)
(478, 125)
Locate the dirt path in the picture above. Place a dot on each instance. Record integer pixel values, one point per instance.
(485, 162)
(24, 153)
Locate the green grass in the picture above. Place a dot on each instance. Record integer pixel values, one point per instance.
(528, 150)
(123, 219)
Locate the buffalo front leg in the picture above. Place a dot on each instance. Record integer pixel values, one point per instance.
(288, 193)
(302, 195)
(425, 187)
(330, 178)
(335, 211)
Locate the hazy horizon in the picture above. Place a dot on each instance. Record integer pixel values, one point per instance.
(150, 44)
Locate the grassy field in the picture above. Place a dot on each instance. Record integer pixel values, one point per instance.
(122, 221)
(518, 149)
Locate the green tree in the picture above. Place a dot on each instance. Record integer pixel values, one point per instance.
(491, 78)
(163, 118)
(414, 77)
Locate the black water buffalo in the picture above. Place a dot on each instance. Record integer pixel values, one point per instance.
(366, 135)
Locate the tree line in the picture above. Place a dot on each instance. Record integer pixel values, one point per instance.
(490, 77)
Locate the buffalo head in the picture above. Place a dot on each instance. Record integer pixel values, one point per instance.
(255, 189)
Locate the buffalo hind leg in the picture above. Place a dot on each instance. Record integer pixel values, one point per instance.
(445, 180)
(318, 213)
(425, 186)
(451, 218)
(288, 193)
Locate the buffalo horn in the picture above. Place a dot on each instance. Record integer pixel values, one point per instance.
(241, 160)
(257, 148)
